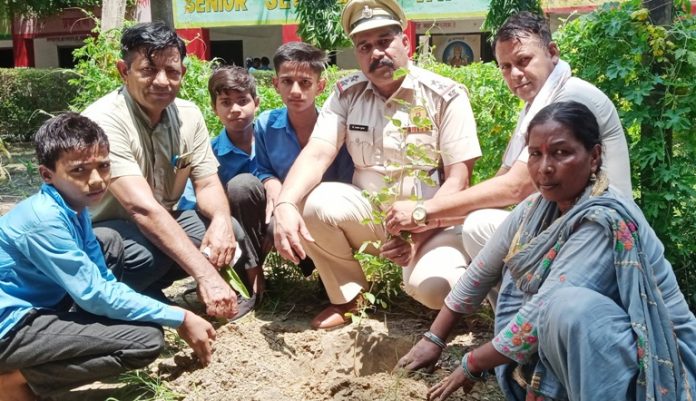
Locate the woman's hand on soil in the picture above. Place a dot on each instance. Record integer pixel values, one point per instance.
(449, 385)
(423, 355)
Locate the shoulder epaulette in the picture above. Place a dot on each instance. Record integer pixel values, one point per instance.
(343, 84)
(444, 87)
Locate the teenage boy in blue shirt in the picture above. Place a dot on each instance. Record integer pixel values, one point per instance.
(282, 133)
(50, 259)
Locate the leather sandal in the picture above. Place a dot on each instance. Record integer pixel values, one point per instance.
(334, 316)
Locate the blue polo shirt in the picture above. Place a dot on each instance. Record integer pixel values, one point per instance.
(48, 251)
(277, 148)
(232, 160)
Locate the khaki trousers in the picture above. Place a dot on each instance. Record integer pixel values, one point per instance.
(333, 213)
(477, 230)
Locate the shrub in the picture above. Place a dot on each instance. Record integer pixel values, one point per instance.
(650, 76)
(27, 96)
(495, 110)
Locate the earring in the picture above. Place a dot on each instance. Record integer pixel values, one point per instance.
(593, 177)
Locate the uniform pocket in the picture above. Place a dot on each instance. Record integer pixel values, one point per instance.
(361, 146)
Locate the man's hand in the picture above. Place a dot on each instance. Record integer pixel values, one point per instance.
(272, 187)
(423, 355)
(218, 297)
(289, 226)
(220, 241)
(449, 385)
(399, 218)
(199, 335)
(398, 251)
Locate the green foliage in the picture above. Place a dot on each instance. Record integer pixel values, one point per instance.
(95, 66)
(194, 88)
(145, 386)
(4, 153)
(650, 75)
(27, 96)
(264, 77)
(270, 99)
(500, 10)
(495, 110)
(384, 277)
(320, 25)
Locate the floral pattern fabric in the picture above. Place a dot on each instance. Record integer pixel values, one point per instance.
(606, 246)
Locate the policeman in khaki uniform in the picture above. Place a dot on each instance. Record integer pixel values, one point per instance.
(326, 225)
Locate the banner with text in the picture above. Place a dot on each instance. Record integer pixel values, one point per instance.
(216, 13)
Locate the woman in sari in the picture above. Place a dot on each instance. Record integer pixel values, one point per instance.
(589, 308)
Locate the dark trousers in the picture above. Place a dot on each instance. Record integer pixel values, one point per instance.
(247, 198)
(147, 269)
(57, 351)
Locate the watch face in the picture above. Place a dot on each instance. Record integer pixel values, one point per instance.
(418, 214)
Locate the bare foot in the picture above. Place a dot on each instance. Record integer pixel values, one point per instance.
(13, 387)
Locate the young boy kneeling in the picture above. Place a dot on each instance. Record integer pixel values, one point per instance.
(50, 258)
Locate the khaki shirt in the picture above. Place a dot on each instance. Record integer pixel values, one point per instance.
(137, 149)
(357, 115)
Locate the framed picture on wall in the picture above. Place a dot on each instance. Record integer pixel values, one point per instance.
(456, 49)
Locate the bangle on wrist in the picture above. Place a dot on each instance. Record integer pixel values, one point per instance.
(435, 339)
(286, 203)
(467, 362)
(471, 361)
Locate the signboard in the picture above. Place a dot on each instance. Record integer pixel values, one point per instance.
(562, 6)
(215, 13)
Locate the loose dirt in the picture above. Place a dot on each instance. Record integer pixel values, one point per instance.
(272, 354)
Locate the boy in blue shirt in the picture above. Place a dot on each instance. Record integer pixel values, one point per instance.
(235, 102)
(282, 133)
(50, 259)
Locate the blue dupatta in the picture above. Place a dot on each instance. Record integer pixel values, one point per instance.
(543, 233)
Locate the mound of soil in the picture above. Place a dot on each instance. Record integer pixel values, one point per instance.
(275, 355)
(265, 358)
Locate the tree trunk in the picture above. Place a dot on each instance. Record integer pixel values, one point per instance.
(113, 13)
(660, 11)
(162, 11)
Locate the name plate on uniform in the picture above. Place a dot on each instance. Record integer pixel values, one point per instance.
(356, 127)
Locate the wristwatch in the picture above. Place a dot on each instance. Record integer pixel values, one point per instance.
(419, 214)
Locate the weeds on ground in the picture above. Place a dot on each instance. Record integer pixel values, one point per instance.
(18, 172)
(145, 386)
(4, 153)
(287, 286)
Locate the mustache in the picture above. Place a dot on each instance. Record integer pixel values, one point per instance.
(381, 62)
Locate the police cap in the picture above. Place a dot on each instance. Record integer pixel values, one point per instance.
(363, 15)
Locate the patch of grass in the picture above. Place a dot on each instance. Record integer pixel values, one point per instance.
(287, 286)
(20, 178)
(145, 386)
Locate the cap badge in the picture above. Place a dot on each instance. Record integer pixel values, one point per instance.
(366, 12)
